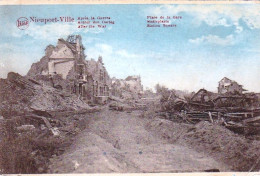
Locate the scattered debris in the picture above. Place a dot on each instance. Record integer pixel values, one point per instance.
(76, 164)
(55, 131)
(26, 128)
(116, 106)
(212, 170)
(237, 112)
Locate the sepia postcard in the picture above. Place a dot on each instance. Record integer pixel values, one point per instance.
(120, 87)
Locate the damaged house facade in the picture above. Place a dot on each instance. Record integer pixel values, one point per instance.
(227, 85)
(88, 79)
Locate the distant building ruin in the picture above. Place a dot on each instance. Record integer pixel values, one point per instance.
(227, 85)
(129, 88)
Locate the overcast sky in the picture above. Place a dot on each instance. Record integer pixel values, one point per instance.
(209, 42)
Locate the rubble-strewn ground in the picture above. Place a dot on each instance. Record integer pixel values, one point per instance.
(237, 152)
(128, 142)
(125, 142)
(28, 150)
(36, 122)
(43, 129)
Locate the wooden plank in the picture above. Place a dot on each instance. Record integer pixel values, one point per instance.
(240, 113)
(251, 120)
(210, 117)
(47, 123)
(233, 116)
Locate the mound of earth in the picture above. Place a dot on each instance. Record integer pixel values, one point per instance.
(242, 154)
(239, 153)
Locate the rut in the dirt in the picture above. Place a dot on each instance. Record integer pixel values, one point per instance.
(121, 142)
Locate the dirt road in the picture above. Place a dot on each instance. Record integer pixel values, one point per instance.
(120, 142)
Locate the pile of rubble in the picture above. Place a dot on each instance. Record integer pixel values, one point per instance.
(119, 104)
(37, 106)
(19, 95)
(239, 113)
(40, 118)
(27, 142)
(236, 151)
(34, 106)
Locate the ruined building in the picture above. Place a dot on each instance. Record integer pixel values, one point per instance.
(229, 86)
(67, 68)
(129, 88)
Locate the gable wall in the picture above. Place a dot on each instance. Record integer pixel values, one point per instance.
(61, 51)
